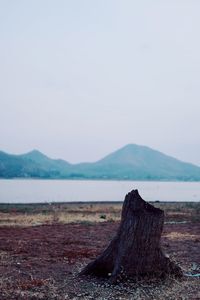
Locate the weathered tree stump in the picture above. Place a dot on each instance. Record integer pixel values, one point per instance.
(135, 250)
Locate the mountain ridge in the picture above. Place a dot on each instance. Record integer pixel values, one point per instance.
(131, 162)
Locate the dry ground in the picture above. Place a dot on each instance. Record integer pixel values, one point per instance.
(43, 248)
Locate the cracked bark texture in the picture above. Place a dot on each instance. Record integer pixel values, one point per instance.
(135, 250)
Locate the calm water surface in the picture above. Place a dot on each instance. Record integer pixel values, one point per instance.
(32, 191)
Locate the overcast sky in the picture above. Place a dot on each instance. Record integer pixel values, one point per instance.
(82, 78)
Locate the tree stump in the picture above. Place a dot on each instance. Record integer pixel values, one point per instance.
(135, 250)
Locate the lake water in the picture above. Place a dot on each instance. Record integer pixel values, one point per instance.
(34, 191)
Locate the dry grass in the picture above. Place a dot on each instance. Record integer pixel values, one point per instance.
(18, 219)
(38, 214)
(181, 236)
(57, 213)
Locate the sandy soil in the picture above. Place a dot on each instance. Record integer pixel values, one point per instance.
(43, 262)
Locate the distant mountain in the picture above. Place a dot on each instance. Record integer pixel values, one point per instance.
(132, 162)
(33, 164)
(143, 163)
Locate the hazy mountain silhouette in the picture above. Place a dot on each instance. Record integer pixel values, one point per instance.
(131, 162)
(32, 164)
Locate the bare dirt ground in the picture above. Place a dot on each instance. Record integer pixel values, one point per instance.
(42, 251)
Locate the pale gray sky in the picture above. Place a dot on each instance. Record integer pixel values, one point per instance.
(81, 78)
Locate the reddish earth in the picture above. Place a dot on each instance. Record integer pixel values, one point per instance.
(42, 262)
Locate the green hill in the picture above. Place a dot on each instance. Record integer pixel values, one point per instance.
(132, 162)
(143, 163)
(33, 164)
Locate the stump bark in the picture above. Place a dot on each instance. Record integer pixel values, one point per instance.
(135, 250)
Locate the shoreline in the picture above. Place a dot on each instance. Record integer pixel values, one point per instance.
(99, 179)
(74, 203)
(92, 203)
